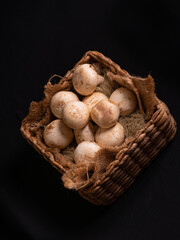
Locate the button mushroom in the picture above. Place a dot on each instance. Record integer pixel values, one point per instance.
(93, 99)
(57, 134)
(84, 134)
(59, 100)
(111, 137)
(76, 114)
(125, 99)
(85, 79)
(86, 152)
(105, 113)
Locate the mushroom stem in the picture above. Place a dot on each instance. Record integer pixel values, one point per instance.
(100, 79)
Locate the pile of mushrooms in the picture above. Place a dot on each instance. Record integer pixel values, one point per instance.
(93, 121)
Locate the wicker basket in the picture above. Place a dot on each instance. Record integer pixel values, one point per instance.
(134, 155)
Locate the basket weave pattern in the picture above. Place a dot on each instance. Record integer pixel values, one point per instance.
(129, 161)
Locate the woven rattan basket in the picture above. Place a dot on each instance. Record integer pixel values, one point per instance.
(125, 163)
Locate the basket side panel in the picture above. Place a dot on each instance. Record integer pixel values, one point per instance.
(152, 139)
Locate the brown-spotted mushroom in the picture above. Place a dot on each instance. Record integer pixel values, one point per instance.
(84, 134)
(125, 99)
(105, 113)
(93, 99)
(85, 79)
(57, 134)
(110, 137)
(76, 114)
(59, 100)
(86, 152)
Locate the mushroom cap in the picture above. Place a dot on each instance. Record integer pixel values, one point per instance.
(125, 99)
(105, 113)
(57, 134)
(84, 134)
(76, 114)
(93, 99)
(110, 137)
(85, 79)
(86, 152)
(59, 100)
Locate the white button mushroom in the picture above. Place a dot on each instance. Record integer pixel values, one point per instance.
(125, 99)
(105, 113)
(59, 100)
(57, 134)
(86, 152)
(76, 114)
(85, 79)
(110, 137)
(93, 99)
(84, 134)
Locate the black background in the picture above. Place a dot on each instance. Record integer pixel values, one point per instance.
(41, 38)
